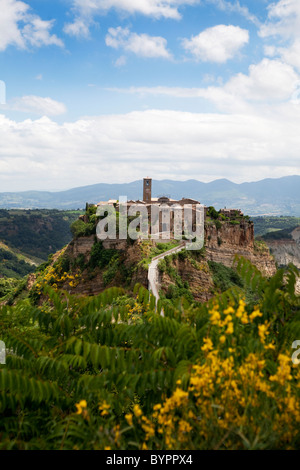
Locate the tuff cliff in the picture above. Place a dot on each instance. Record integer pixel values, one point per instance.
(224, 241)
(286, 250)
(195, 274)
(93, 276)
(87, 266)
(124, 266)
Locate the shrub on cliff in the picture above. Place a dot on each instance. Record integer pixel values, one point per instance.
(81, 229)
(212, 213)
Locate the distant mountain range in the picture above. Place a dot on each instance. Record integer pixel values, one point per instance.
(266, 197)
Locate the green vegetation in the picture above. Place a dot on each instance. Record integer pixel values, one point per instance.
(7, 286)
(218, 224)
(81, 229)
(109, 373)
(218, 218)
(261, 247)
(224, 278)
(12, 266)
(212, 213)
(101, 257)
(279, 234)
(264, 225)
(150, 250)
(36, 233)
(179, 288)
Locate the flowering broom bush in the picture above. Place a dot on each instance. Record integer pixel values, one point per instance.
(109, 372)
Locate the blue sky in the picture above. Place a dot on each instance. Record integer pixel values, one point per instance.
(112, 90)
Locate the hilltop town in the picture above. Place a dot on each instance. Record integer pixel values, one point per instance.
(88, 265)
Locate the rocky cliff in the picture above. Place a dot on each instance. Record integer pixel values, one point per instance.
(286, 250)
(227, 240)
(92, 279)
(87, 267)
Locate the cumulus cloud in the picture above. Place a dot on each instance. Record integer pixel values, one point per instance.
(37, 105)
(269, 80)
(139, 44)
(217, 44)
(167, 144)
(283, 19)
(267, 83)
(283, 22)
(21, 28)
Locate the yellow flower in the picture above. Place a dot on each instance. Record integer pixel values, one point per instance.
(215, 316)
(241, 309)
(229, 330)
(103, 408)
(284, 370)
(157, 407)
(222, 339)
(256, 313)
(137, 411)
(128, 418)
(228, 311)
(270, 346)
(263, 332)
(80, 406)
(208, 345)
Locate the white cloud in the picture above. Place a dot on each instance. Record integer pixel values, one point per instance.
(121, 61)
(217, 44)
(283, 22)
(80, 27)
(139, 44)
(37, 105)
(166, 144)
(235, 8)
(291, 55)
(86, 10)
(21, 28)
(283, 19)
(270, 81)
(155, 8)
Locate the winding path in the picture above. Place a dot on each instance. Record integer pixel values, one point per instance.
(153, 269)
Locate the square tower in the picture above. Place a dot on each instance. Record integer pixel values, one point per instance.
(147, 194)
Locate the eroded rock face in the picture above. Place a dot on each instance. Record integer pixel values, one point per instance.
(198, 276)
(223, 244)
(81, 246)
(286, 251)
(241, 235)
(30, 281)
(91, 282)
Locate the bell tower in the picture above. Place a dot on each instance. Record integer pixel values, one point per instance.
(147, 193)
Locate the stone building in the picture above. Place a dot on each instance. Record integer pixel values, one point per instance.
(164, 207)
